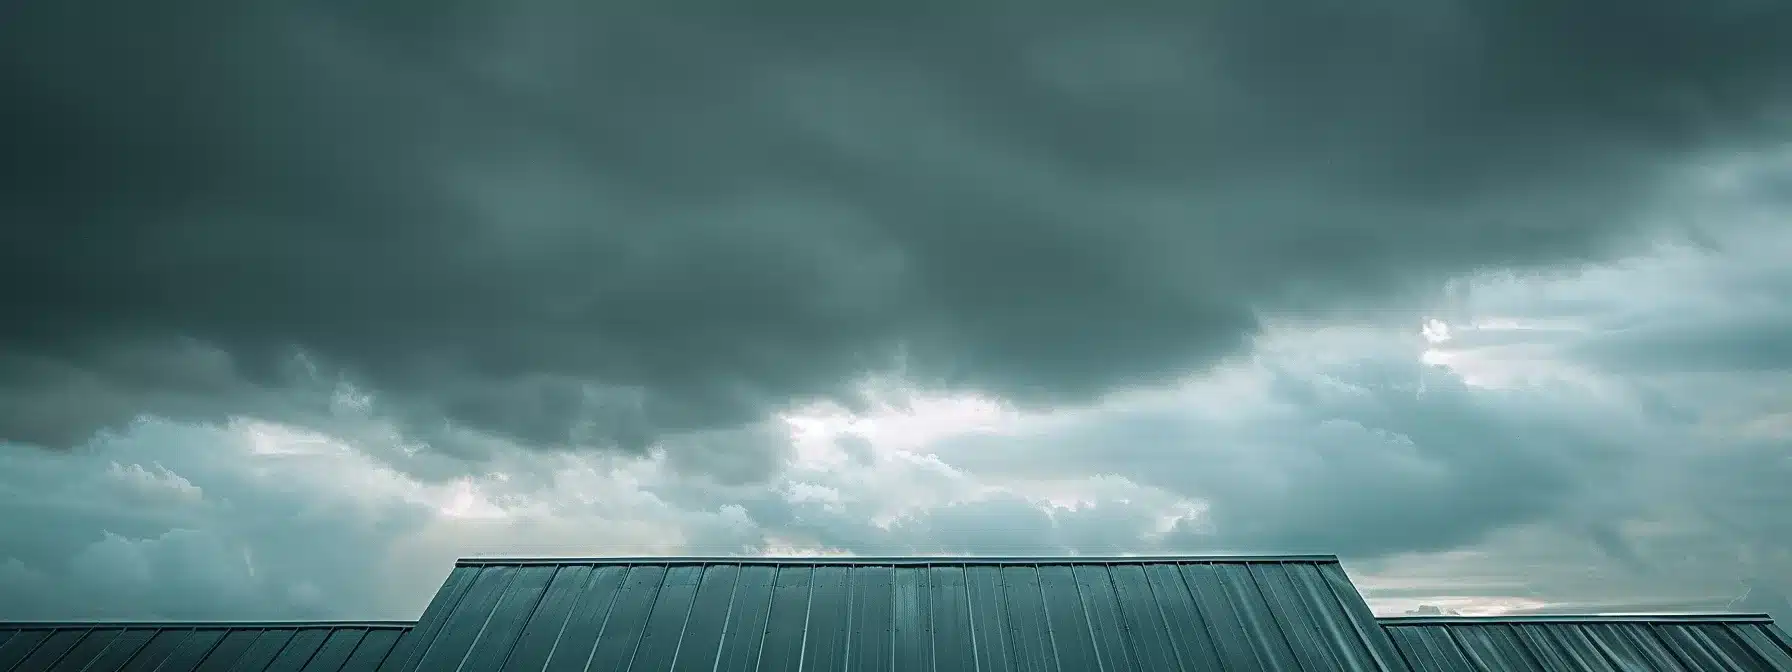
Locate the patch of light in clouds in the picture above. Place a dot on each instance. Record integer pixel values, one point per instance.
(1435, 331)
(899, 417)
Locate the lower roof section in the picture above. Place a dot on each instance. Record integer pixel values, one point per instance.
(1670, 642)
(307, 646)
(870, 614)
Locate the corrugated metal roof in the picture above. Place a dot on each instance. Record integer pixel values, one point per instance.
(309, 646)
(1571, 643)
(869, 614)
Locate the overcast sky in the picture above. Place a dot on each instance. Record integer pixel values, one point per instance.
(1492, 298)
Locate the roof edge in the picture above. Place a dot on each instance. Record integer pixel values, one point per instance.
(1397, 621)
(371, 625)
(895, 560)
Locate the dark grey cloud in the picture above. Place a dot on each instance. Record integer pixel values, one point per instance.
(570, 223)
(748, 455)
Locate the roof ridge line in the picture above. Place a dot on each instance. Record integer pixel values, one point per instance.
(266, 624)
(892, 560)
(1681, 617)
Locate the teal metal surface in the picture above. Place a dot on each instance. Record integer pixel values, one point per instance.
(898, 614)
(284, 646)
(907, 561)
(1668, 643)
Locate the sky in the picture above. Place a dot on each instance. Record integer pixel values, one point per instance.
(1491, 298)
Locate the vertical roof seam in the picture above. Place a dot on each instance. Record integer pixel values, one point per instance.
(892, 627)
(328, 633)
(933, 645)
(188, 634)
(473, 645)
(727, 616)
(283, 644)
(103, 650)
(255, 636)
(1207, 620)
(685, 625)
(34, 647)
(1163, 619)
(71, 647)
(1773, 632)
(153, 634)
(1051, 634)
(1303, 602)
(1276, 616)
(1013, 631)
(365, 635)
(1466, 653)
(1750, 651)
(1125, 619)
(214, 647)
(970, 610)
(609, 610)
(851, 597)
(577, 601)
(1367, 637)
(802, 650)
(653, 605)
(765, 627)
(510, 647)
(1673, 651)
(1407, 657)
(1088, 621)
(1533, 656)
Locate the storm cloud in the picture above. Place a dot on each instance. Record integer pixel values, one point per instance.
(589, 224)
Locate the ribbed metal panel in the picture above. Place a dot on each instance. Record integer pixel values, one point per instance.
(1695, 643)
(270, 647)
(898, 614)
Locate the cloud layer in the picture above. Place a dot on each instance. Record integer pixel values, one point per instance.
(1508, 474)
(576, 224)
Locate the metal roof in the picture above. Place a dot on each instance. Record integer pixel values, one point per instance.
(1665, 642)
(869, 614)
(903, 560)
(106, 646)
